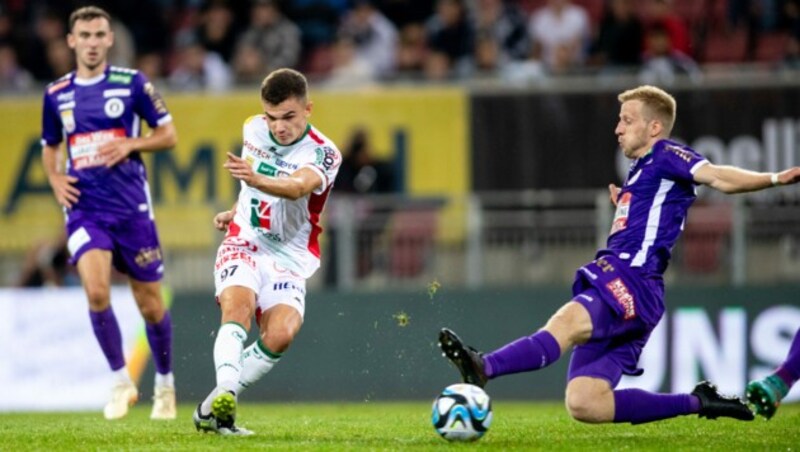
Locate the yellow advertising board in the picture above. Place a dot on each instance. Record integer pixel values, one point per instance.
(427, 126)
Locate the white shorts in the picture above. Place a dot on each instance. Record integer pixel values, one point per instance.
(242, 263)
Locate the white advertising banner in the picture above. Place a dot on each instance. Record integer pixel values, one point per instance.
(688, 345)
(49, 357)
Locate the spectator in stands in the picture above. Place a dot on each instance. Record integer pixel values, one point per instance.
(406, 12)
(411, 51)
(48, 27)
(13, 77)
(318, 21)
(489, 60)
(361, 173)
(663, 63)
(270, 42)
(619, 40)
(216, 31)
(60, 57)
(46, 264)
(375, 38)
(451, 39)
(351, 69)
(505, 24)
(123, 53)
(151, 64)
(560, 32)
(791, 58)
(198, 69)
(660, 14)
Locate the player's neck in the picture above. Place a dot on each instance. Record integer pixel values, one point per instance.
(86, 72)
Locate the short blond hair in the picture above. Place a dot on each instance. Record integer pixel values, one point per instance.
(657, 102)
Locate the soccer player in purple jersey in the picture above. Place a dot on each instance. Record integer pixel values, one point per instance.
(97, 110)
(619, 297)
(766, 394)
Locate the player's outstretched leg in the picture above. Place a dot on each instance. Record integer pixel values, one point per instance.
(467, 360)
(123, 395)
(714, 405)
(765, 395)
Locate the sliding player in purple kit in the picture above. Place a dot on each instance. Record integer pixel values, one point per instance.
(103, 188)
(619, 297)
(766, 394)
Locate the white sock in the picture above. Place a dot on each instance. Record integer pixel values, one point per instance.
(257, 362)
(121, 375)
(165, 380)
(228, 355)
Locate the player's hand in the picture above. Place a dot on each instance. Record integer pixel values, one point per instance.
(222, 219)
(613, 193)
(66, 193)
(115, 151)
(240, 169)
(789, 176)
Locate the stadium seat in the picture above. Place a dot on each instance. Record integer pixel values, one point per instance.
(412, 234)
(705, 237)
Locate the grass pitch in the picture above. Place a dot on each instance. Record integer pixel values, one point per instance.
(390, 426)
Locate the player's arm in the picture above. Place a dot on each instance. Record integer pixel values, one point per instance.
(297, 185)
(613, 193)
(162, 137)
(730, 179)
(66, 193)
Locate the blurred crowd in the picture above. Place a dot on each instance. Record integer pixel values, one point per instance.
(217, 44)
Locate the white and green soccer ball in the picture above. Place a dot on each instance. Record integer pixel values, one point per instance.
(462, 412)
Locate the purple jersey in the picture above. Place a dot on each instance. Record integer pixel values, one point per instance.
(91, 112)
(652, 206)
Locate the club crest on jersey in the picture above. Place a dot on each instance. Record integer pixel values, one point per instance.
(114, 108)
(260, 212)
(327, 157)
(621, 215)
(68, 120)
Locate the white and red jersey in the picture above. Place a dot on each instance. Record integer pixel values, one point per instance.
(287, 229)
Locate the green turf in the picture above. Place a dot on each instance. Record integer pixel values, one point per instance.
(390, 426)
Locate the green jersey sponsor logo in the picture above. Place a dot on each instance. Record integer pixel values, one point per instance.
(267, 170)
(116, 77)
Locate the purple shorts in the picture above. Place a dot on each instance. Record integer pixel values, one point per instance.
(624, 307)
(133, 243)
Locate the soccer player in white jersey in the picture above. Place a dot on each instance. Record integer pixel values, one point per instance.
(286, 168)
(97, 110)
(618, 298)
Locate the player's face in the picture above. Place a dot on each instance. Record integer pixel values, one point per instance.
(91, 39)
(288, 120)
(633, 129)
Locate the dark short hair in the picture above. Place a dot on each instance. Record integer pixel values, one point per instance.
(88, 13)
(282, 84)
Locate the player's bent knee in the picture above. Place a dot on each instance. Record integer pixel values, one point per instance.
(588, 401)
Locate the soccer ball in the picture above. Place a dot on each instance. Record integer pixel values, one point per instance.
(462, 412)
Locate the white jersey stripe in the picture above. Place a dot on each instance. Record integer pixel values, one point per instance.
(653, 222)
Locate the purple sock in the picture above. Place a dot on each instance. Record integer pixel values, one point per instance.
(106, 330)
(526, 353)
(159, 335)
(789, 371)
(637, 406)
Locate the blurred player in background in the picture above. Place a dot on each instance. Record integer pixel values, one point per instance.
(103, 188)
(766, 394)
(286, 169)
(619, 297)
